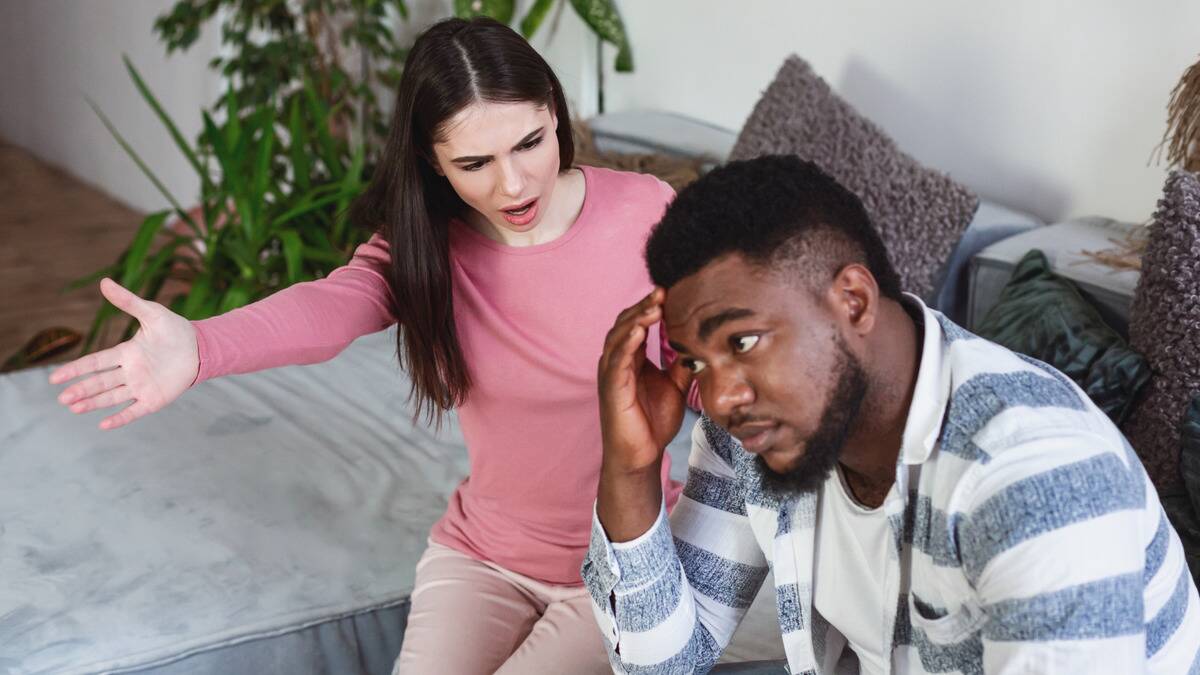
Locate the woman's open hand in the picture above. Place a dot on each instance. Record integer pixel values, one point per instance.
(151, 369)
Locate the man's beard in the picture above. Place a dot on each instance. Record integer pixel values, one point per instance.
(823, 448)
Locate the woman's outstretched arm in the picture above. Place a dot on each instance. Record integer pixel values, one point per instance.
(305, 323)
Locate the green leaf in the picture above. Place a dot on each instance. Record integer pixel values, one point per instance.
(305, 208)
(217, 141)
(245, 259)
(91, 278)
(604, 19)
(262, 164)
(233, 119)
(197, 296)
(320, 118)
(103, 316)
(142, 165)
(351, 187)
(135, 257)
(237, 296)
(246, 217)
(293, 253)
(500, 10)
(324, 255)
(298, 147)
(535, 16)
(182, 144)
(158, 269)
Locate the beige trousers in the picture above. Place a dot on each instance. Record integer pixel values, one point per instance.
(470, 617)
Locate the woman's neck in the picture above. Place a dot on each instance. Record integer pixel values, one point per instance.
(561, 213)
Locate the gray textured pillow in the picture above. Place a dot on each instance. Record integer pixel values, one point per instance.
(1164, 324)
(919, 213)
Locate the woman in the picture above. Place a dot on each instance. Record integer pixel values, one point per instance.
(504, 266)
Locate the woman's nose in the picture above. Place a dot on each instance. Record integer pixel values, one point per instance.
(512, 184)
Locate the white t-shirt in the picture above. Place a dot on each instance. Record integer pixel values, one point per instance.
(851, 560)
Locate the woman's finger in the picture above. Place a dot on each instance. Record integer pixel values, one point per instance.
(106, 399)
(85, 365)
(93, 385)
(138, 409)
(125, 300)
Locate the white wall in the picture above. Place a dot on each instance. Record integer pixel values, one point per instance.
(1053, 107)
(1050, 107)
(55, 53)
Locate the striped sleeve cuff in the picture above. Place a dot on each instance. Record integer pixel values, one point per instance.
(627, 566)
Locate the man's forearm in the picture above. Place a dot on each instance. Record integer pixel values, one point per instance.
(628, 502)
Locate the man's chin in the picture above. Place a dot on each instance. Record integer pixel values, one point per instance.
(780, 461)
(788, 472)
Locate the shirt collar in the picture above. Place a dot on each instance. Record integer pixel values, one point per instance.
(931, 394)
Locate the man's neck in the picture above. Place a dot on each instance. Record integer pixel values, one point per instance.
(870, 455)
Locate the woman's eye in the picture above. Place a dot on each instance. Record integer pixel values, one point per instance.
(745, 343)
(531, 144)
(693, 366)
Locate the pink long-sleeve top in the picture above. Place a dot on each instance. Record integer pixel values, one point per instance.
(531, 322)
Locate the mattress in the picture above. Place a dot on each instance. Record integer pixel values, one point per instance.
(263, 523)
(253, 508)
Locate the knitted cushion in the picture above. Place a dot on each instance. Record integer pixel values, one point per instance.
(920, 214)
(1165, 326)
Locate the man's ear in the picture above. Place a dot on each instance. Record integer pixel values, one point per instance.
(856, 298)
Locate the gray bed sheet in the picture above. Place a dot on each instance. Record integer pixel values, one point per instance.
(254, 507)
(263, 523)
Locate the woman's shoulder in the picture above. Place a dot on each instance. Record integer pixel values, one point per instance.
(627, 186)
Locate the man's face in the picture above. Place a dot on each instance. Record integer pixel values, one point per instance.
(772, 365)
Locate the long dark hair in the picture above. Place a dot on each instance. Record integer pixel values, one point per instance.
(453, 64)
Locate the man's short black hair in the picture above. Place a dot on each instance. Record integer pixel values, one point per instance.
(776, 210)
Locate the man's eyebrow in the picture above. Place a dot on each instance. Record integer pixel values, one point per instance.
(715, 321)
(471, 159)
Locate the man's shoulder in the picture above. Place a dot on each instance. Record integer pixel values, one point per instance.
(999, 399)
(1017, 428)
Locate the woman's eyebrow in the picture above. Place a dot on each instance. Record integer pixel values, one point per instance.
(471, 159)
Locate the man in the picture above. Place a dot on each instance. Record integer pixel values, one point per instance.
(929, 502)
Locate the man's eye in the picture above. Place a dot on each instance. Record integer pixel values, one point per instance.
(473, 167)
(693, 366)
(744, 343)
(531, 144)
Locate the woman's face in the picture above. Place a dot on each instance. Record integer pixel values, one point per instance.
(502, 160)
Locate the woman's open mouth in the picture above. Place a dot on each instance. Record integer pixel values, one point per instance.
(522, 214)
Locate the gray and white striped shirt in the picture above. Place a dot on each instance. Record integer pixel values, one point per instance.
(1026, 538)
